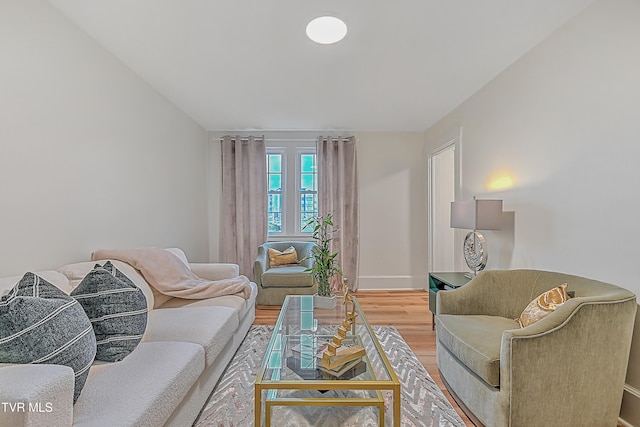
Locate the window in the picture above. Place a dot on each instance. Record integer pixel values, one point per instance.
(275, 174)
(308, 188)
(293, 198)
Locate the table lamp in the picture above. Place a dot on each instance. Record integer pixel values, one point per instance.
(476, 215)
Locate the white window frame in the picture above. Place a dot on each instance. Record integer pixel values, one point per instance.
(283, 196)
(300, 151)
(291, 150)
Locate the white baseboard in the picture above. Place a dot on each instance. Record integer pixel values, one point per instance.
(630, 411)
(393, 282)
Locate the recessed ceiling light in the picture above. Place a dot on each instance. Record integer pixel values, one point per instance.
(326, 30)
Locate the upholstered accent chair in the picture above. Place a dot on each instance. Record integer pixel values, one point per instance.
(567, 369)
(276, 282)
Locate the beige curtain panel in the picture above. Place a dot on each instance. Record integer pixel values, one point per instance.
(244, 200)
(338, 193)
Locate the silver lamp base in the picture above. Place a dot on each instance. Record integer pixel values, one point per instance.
(475, 252)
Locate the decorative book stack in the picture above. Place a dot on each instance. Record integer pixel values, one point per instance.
(348, 370)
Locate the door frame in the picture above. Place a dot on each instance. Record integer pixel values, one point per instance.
(451, 139)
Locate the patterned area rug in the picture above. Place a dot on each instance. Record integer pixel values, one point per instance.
(423, 404)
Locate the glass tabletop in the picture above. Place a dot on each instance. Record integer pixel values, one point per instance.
(300, 336)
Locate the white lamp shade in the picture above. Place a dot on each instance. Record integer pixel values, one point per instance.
(477, 214)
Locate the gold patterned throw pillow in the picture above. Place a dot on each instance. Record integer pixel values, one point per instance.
(543, 305)
(286, 257)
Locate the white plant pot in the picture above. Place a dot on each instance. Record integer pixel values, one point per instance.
(324, 302)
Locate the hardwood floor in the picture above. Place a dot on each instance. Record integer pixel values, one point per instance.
(408, 311)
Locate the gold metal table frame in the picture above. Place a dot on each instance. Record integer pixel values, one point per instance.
(299, 321)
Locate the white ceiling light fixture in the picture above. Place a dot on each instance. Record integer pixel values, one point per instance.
(326, 30)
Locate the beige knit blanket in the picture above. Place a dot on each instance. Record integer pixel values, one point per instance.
(170, 276)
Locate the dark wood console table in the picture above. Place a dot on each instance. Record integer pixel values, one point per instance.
(442, 282)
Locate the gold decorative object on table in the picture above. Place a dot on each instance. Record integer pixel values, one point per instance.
(334, 357)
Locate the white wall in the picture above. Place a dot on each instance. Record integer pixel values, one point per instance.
(563, 123)
(392, 174)
(90, 155)
(392, 180)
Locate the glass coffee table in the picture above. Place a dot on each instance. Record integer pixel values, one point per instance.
(291, 372)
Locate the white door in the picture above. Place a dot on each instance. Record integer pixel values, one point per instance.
(443, 172)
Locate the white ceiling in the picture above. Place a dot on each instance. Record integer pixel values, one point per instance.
(247, 64)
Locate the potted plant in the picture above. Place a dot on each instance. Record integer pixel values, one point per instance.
(325, 265)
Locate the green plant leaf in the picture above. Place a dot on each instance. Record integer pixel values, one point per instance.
(325, 263)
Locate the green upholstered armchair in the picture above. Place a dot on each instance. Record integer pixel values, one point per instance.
(274, 283)
(567, 369)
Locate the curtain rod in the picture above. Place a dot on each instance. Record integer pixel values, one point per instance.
(244, 138)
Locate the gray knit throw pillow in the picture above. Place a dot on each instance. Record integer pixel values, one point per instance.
(117, 309)
(41, 324)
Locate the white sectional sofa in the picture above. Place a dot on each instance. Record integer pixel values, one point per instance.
(166, 380)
